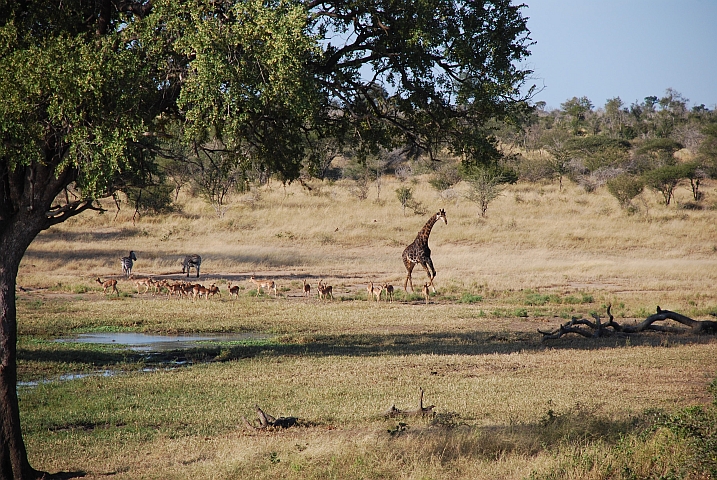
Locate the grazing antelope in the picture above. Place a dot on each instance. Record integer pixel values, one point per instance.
(265, 284)
(191, 261)
(111, 284)
(127, 263)
(233, 290)
(146, 282)
(426, 291)
(389, 291)
(159, 284)
(214, 290)
(374, 292)
(175, 288)
(325, 290)
(198, 290)
(307, 289)
(187, 289)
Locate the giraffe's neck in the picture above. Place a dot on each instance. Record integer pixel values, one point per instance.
(422, 237)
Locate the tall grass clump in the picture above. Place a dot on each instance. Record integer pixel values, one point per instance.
(677, 445)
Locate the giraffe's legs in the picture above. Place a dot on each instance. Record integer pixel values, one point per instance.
(430, 271)
(409, 269)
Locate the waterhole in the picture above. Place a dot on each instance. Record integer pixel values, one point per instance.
(149, 343)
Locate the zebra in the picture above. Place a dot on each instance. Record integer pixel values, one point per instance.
(191, 261)
(127, 263)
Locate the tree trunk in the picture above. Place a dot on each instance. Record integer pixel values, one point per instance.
(14, 464)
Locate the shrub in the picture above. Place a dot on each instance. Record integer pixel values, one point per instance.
(404, 195)
(625, 188)
(486, 184)
(445, 177)
(665, 179)
(597, 151)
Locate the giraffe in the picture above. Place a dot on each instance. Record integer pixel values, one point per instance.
(418, 251)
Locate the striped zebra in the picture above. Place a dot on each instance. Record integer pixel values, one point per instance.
(127, 263)
(191, 261)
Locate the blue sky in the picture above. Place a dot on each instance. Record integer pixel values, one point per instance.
(630, 49)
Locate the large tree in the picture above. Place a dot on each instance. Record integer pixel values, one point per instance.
(93, 88)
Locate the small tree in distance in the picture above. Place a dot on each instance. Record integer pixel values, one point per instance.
(486, 184)
(665, 179)
(625, 188)
(404, 195)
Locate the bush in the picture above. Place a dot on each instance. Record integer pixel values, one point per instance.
(405, 196)
(445, 177)
(486, 184)
(598, 151)
(625, 188)
(665, 179)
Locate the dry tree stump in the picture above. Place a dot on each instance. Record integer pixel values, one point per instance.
(598, 328)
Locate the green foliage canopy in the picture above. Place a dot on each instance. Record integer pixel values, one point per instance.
(598, 151)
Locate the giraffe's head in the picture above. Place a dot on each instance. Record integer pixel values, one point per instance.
(442, 215)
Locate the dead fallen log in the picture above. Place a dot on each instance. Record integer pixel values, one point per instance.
(598, 328)
(420, 411)
(266, 421)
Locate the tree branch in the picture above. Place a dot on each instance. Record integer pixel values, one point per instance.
(589, 329)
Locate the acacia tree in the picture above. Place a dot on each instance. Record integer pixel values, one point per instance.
(485, 185)
(90, 89)
(578, 109)
(438, 71)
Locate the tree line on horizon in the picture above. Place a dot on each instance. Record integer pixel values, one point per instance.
(658, 144)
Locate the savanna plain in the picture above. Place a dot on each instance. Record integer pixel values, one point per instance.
(507, 403)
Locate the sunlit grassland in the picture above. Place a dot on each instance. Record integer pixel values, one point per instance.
(508, 405)
(536, 237)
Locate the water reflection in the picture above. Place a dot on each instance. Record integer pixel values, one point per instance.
(143, 342)
(152, 347)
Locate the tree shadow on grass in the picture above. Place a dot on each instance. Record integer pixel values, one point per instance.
(466, 343)
(358, 345)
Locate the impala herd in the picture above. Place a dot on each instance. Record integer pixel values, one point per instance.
(185, 289)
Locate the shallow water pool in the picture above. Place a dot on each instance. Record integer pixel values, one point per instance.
(144, 342)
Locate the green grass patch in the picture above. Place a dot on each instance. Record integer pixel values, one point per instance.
(578, 299)
(537, 299)
(470, 298)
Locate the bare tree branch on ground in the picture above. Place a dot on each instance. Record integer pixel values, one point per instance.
(596, 329)
(420, 411)
(267, 421)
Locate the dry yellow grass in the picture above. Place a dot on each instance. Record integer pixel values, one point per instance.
(535, 237)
